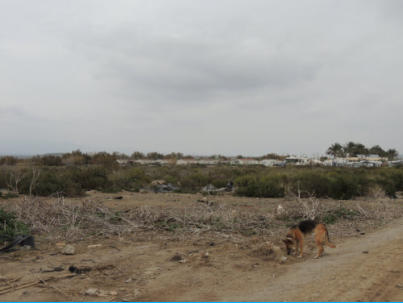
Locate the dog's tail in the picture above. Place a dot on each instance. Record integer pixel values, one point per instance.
(327, 240)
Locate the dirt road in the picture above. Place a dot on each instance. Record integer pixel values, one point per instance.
(365, 269)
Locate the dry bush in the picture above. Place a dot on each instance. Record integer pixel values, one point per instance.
(309, 208)
(376, 192)
(63, 219)
(200, 218)
(263, 249)
(70, 221)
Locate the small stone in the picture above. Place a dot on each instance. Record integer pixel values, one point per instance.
(177, 257)
(94, 245)
(60, 244)
(102, 293)
(365, 251)
(92, 292)
(79, 269)
(68, 250)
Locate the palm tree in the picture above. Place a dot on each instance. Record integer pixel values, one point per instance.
(392, 153)
(336, 150)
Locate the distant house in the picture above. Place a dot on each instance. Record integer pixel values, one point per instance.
(272, 162)
(395, 163)
(123, 162)
(208, 162)
(268, 162)
(248, 161)
(299, 161)
(358, 161)
(182, 162)
(234, 162)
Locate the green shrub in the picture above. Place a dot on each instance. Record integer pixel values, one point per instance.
(314, 183)
(390, 181)
(54, 181)
(253, 181)
(194, 181)
(130, 179)
(333, 216)
(260, 186)
(10, 227)
(343, 186)
(8, 195)
(8, 160)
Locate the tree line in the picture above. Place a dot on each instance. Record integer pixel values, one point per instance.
(353, 149)
(78, 157)
(106, 159)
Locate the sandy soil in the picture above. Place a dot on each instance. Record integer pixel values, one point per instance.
(150, 266)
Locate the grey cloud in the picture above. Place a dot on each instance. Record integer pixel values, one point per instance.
(183, 70)
(216, 76)
(11, 112)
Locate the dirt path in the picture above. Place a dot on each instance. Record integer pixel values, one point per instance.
(365, 269)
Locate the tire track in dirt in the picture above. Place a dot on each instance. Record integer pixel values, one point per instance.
(364, 269)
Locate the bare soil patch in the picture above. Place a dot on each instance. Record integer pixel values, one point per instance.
(175, 247)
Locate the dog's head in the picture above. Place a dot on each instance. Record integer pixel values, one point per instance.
(288, 244)
(289, 241)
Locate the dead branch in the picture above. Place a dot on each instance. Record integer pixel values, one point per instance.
(34, 180)
(12, 288)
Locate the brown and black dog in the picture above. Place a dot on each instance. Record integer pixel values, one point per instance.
(298, 232)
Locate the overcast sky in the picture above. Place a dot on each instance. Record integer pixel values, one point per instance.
(200, 76)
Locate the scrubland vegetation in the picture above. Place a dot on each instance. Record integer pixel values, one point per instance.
(75, 173)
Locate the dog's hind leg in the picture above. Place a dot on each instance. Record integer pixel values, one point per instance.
(319, 244)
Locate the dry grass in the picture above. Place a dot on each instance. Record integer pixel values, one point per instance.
(199, 218)
(70, 221)
(62, 219)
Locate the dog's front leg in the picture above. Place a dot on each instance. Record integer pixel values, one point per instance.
(296, 247)
(301, 248)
